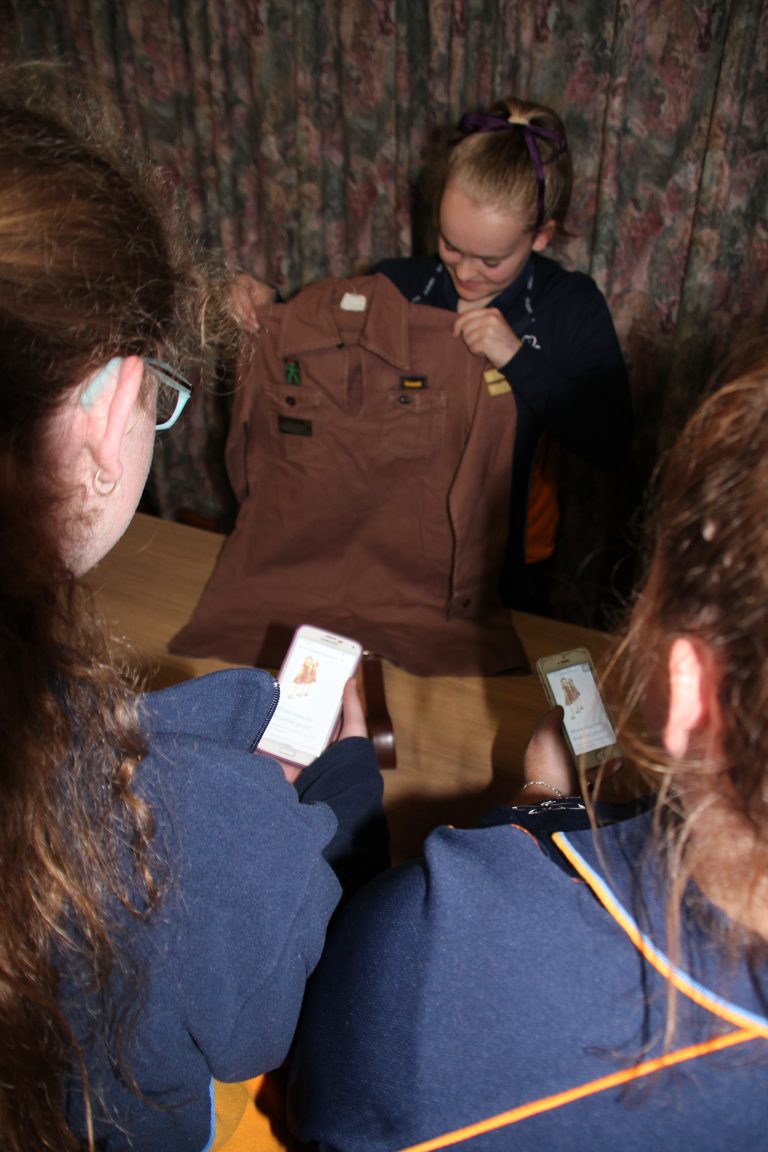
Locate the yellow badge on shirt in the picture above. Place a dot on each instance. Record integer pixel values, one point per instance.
(496, 383)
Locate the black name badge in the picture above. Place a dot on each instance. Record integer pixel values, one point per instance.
(293, 426)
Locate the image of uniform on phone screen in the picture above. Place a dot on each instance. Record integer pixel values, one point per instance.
(569, 680)
(312, 678)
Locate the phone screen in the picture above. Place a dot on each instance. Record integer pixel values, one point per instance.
(312, 679)
(586, 720)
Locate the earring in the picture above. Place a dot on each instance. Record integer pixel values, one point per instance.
(102, 489)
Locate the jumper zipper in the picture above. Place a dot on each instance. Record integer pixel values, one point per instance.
(273, 709)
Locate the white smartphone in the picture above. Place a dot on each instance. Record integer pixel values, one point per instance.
(312, 678)
(570, 680)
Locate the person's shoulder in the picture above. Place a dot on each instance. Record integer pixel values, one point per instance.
(475, 859)
(231, 705)
(460, 869)
(408, 273)
(203, 791)
(567, 294)
(204, 781)
(202, 736)
(550, 274)
(400, 265)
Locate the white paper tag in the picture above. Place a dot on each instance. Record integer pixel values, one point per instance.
(353, 302)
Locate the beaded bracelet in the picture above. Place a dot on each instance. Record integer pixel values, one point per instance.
(543, 784)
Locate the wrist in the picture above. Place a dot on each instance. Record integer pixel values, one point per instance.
(503, 357)
(544, 786)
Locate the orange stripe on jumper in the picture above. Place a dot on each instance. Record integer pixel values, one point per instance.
(570, 1095)
(710, 1001)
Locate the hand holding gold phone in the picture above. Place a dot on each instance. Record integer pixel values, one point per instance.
(570, 680)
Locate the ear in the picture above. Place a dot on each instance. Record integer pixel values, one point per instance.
(544, 236)
(689, 690)
(109, 415)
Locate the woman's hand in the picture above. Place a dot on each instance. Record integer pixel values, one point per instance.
(246, 295)
(486, 333)
(352, 723)
(547, 762)
(353, 718)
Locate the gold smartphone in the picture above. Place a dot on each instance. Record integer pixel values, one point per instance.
(570, 680)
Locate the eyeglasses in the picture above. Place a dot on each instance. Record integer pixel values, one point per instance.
(173, 391)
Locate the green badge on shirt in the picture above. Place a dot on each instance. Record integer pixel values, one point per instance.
(292, 371)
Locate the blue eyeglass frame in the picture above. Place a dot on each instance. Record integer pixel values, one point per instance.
(175, 380)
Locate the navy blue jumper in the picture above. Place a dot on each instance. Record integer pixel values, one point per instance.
(252, 863)
(509, 991)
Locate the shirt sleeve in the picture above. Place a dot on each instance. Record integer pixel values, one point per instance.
(247, 912)
(346, 778)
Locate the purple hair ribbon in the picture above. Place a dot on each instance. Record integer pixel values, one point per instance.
(484, 122)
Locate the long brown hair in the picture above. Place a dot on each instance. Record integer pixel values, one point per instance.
(91, 266)
(708, 581)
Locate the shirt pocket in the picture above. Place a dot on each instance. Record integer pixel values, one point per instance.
(288, 422)
(413, 424)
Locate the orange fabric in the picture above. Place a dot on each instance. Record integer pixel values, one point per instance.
(250, 1117)
(543, 514)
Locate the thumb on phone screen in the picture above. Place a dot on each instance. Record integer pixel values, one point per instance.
(352, 722)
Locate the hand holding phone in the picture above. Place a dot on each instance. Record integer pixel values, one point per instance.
(569, 679)
(317, 666)
(547, 757)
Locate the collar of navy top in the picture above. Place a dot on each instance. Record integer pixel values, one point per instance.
(440, 283)
(617, 861)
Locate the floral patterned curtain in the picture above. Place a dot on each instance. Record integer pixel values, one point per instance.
(297, 130)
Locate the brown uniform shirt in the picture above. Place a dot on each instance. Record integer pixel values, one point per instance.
(371, 453)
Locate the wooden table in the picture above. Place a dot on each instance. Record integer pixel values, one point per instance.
(459, 740)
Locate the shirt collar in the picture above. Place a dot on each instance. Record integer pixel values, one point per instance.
(316, 319)
(622, 867)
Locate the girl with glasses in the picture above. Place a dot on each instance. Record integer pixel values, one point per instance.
(163, 894)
